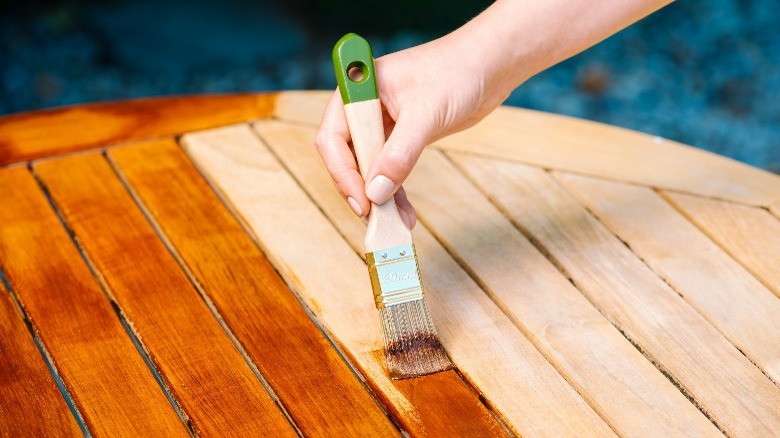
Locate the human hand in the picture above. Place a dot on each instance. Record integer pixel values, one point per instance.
(427, 93)
(447, 85)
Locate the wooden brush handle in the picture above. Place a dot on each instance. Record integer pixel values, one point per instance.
(386, 229)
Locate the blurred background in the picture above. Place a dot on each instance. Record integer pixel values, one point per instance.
(703, 72)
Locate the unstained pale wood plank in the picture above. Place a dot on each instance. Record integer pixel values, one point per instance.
(582, 146)
(510, 373)
(735, 394)
(332, 281)
(204, 371)
(750, 235)
(315, 385)
(304, 107)
(608, 371)
(591, 148)
(60, 130)
(100, 367)
(710, 280)
(30, 402)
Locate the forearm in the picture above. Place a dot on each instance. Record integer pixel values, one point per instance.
(516, 39)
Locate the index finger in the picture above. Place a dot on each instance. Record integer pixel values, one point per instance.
(332, 143)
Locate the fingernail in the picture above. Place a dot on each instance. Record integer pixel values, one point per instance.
(380, 189)
(354, 206)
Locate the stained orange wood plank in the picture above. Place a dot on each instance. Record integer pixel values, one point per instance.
(743, 309)
(54, 131)
(731, 390)
(294, 235)
(510, 374)
(108, 380)
(312, 381)
(30, 402)
(750, 235)
(202, 368)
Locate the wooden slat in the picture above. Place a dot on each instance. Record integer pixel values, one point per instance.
(198, 362)
(737, 396)
(705, 276)
(314, 384)
(55, 131)
(512, 376)
(304, 107)
(30, 402)
(626, 389)
(331, 280)
(567, 143)
(591, 148)
(108, 380)
(750, 235)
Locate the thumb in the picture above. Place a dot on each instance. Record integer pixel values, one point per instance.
(395, 161)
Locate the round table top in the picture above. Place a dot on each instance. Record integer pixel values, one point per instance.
(184, 265)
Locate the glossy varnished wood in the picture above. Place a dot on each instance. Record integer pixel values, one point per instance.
(312, 381)
(75, 320)
(206, 374)
(60, 130)
(30, 402)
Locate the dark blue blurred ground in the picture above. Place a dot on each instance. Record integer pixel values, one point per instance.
(706, 73)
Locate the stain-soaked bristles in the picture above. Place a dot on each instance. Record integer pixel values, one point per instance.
(412, 346)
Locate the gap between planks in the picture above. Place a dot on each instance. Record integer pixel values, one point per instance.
(123, 400)
(343, 404)
(29, 389)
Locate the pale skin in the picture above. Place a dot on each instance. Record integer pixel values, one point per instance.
(439, 88)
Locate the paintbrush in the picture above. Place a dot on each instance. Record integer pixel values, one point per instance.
(412, 346)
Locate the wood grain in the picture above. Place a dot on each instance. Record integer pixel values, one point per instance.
(314, 384)
(108, 380)
(750, 235)
(620, 383)
(304, 107)
(736, 395)
(55, 131)
(591, 148)
(204, 371)
(30, 402)
(706, 277)
(510, 373)
(332, 281)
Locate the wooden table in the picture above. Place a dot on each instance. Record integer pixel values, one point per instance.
(184, 265)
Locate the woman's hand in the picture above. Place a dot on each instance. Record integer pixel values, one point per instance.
(427, 92)
(447, 85)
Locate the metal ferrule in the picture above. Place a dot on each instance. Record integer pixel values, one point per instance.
(395, 276)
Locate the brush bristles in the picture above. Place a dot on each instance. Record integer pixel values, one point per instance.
(412, 346)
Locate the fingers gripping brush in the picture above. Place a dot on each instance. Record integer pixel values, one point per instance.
(412, 347)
